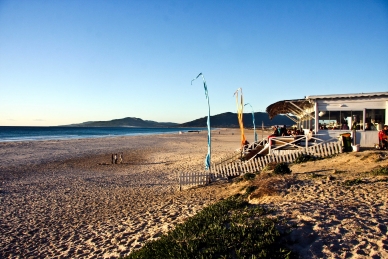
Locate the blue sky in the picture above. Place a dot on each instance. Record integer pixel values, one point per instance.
(64, 62)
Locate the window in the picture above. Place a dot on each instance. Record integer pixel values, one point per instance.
(341, 120)
(374, 119)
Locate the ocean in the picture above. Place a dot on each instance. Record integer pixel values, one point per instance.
(18, 133)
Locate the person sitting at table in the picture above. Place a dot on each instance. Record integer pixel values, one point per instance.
(383, 137)
(275, 132)
(345, 126)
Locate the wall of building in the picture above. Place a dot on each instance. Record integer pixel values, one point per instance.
(364, 138)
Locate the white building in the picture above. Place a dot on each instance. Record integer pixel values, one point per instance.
(332, 115)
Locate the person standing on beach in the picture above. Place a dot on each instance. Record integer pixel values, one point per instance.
(113, 159)
(120, 158)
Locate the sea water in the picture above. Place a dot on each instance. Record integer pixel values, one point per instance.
(18, 133)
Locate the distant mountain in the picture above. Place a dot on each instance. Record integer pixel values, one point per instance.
(223, 120)
(126, 122)
(230, 120)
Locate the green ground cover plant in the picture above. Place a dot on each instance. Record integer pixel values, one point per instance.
(249, 176)
(282, 168)
(352, 182)
(382, 170)
(231, 228)
(304, 158)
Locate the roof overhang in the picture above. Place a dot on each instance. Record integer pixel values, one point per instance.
(298, 107)
(342, 96)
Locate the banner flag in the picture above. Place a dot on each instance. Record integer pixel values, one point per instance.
(240, 112)
(208, 156)
(253, 120)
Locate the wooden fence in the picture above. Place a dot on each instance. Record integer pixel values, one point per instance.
(237, 167)
(193, 179)
(257, 164)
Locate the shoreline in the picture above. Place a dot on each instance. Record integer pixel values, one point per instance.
(51, 133)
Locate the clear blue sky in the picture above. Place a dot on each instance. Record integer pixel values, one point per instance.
(64, 62)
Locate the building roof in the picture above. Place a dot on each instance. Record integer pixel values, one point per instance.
(298, 107)
(357, 95)
(295, 107)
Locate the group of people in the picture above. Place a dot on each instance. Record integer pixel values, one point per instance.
(117, 159)
(283, 131)
(383, 137)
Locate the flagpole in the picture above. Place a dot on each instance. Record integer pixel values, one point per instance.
(208, 156)
(240, 113)
(253, 120)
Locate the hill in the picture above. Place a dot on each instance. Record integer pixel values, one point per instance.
(230, 120)
(223, 120)
(126, 122)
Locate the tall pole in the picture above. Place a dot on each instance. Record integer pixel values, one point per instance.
(208, 156)
(253, 120)
(240, 113)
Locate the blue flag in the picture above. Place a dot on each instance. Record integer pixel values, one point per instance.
(208, 156)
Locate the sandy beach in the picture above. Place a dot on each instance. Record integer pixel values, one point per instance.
(65, 199)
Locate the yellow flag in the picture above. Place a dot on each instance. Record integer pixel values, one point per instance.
(240, 112)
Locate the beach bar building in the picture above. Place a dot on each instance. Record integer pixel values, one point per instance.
(329, 116)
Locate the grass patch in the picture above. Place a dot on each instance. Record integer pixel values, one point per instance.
(270, 166)
(338, 171)
(352, 182)
(249, 176)
(305, 158)
(231, 228)
(315, 175)
(250, 189)
(382, 170)
(282, 168)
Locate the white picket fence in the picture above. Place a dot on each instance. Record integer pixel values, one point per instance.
(237, 167)
(190, 179)
(255, 165)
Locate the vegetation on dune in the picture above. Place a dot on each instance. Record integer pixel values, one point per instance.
(305, 158)
(382, 170)
(282, 168)
(231, 228)
(352, 182)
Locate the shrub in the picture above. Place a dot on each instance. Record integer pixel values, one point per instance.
(228, 229)
(250, 189)
(282, 168)
(382, 170)
(249, 176)
(356, 181)
(270, 166)
(304, 158)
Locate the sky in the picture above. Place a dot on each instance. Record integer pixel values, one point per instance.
(64, 62)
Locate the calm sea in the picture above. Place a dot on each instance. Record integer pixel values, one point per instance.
(50, 133)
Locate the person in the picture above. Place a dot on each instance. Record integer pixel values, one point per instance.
(288, 133)
(383, 137)
(113, 159)
(275, 132)
(310, 134)
(345, 126)
(120, 158)
(283, 130)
